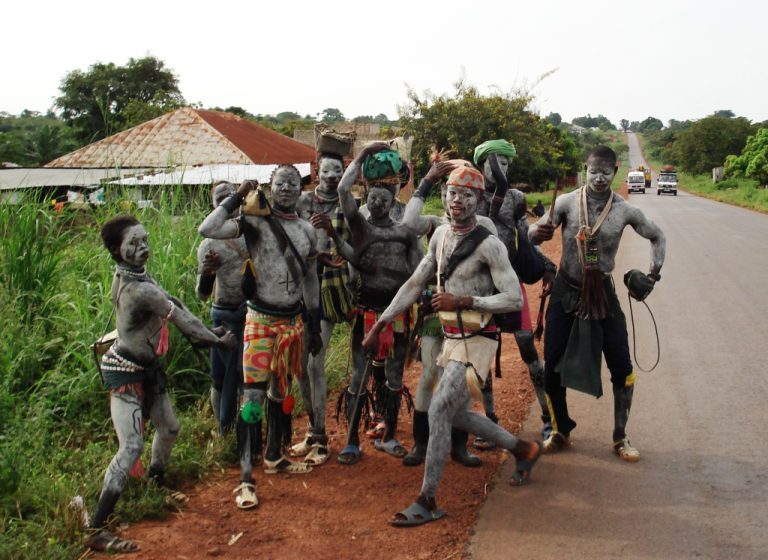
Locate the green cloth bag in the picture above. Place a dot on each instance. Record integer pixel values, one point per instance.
(582, 361)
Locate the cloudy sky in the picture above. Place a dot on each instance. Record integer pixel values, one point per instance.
(672, 59)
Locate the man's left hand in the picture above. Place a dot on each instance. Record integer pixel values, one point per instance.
(547, 281)
(445, 301)
(332, 261)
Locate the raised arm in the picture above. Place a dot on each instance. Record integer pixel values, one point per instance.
(217, 224)
(412, 217)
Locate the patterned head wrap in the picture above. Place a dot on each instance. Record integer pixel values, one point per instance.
(467, 177)
(383, 168)
(499, 147)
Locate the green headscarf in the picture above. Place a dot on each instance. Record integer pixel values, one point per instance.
(381, 165)
(499, 147)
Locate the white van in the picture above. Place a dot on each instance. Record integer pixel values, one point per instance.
(636, 181)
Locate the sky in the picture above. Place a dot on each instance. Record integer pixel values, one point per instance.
(672, 59)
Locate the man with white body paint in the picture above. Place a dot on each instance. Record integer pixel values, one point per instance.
(471, 274)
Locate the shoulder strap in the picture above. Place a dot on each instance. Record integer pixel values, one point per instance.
(464, 249)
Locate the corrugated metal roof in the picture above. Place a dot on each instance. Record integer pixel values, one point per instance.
(209, 174)
(189, 137)
(22, 178)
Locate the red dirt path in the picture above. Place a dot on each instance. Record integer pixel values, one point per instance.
(336, 511)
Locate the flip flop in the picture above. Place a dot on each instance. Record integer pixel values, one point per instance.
(350, 455)
(285, 466)
(393, 447)
(523, 468)
(246, 495)
(414, 515)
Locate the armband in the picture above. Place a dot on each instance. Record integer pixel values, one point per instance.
(655, 276)
(205, 284)
(232, 202)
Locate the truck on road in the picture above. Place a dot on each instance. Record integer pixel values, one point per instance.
(667, 181)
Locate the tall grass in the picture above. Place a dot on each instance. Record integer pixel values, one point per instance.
(56, 436)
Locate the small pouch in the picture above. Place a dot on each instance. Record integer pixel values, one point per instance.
(255, 204)
(104, 343)
(471, 320)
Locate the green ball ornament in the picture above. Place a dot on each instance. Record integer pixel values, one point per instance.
(252, 412)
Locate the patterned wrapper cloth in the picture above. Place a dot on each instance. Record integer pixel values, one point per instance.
(273, 345)
(399, 325)
(336, 297)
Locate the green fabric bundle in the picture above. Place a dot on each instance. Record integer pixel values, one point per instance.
(498, 147)
(381, 165)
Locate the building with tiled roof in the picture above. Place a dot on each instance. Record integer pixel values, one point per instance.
(189, 138)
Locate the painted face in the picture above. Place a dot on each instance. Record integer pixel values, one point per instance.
(134, 250)
(286, 188)
(330, 173)
(600, 174)
(379, 202)
(462, 203)
(503, 165)
(221, 192)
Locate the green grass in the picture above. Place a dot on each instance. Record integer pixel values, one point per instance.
(56, 435)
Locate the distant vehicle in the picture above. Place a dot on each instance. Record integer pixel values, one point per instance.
(636, 181)
(667, 181)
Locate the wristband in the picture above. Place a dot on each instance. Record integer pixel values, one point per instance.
(232, 202)
(655, 276)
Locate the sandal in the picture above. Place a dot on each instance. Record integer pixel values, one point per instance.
(414, 515)
(317, 455)
(285, 466)
(483, 444)
(350, 455)
(246, 495)
(393, 447)
(302, 448)
(556, 442)
(104, 541)
(523, 468)
(176, 499)
(624, 450)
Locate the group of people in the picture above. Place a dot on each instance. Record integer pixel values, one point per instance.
(283, 274)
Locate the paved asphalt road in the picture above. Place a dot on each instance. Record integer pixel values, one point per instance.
(700, 489)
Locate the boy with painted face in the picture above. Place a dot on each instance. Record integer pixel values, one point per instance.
(322, 206)
(133, 371)
(508, 210)
(584, 318)
(431, 332)
(283, 248)
(385, 254)
(220, 262)
(473, 266)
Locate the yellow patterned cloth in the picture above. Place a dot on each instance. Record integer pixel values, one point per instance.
(273, 346)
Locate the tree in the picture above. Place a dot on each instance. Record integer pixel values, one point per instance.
(709, 141)
(753, 161)
(331, 115)
(648, 125)
(624, 124)
(94, 102)
(727, 113)
(32, 139)
(460, 122)
(589, 121)
(554, 119)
